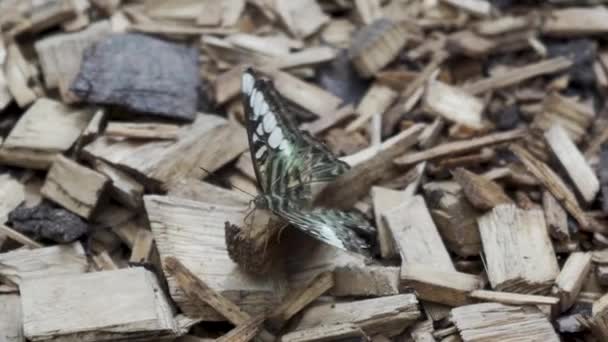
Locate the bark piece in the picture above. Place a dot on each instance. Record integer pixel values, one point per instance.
(417, 237)
(75, 187)
(376, 45)
(140, 308)
(483, 193)
(480, 322)
(454, 104)
(455, 217)
(122, 69)
(18, 265)
(200, 244)
(48, 222)
(571, 278)
(518, 252)
(60, 56)
(46, 129)
(386, 315)
(571, 158)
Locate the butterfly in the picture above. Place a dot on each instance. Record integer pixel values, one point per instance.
(287, 162)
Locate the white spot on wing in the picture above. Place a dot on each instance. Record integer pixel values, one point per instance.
(264, 107)
(252, 97)
(247, 82)
(275, 138)
(329, 234)
(255, 138)
(260, 152)
(259, 130)
(283, 145)
(269, 122)
(257, 104)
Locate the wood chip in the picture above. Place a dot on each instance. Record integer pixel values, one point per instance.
(453, 104)
(519, 238)
(74, 187)
(576, 21)
(438, 285)
(142, 131)
(483, 193)
(571, 278)
(574, 162)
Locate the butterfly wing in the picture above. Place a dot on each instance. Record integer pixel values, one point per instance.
(345, 230)
(286, 160)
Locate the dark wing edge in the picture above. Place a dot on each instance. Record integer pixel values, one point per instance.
(348, 231)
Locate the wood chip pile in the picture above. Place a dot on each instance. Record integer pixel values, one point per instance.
(477, 133)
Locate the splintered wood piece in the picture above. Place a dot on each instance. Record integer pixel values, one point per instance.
(60, 55)
(308, 57)
(20, 238)
(302, 17)
(498, 322)
(365, 281)
(376, 101)
(12, 194)
(553, 183)
(200, 293)
(200, 243)
(299, 299)
(103, 261)
(307, 95)
(384, 200)
(448, 287)
(513, 298)
(556, 217)
(45, 130)
(123, 188)
(142, 247)
(573, 161)
(243, 332)
(11, 323)
(376, 45)
(503, 24)
(227, 85)
(519, 256)
(197, 190)
(431, 134)
(75, 187)
(413, 91)
(348, 188)
(479, 8)
(329, 120)
(470, 44)
(459, 147)
(518, 75)
(571, 278)
(483, 193)
(18, 72)
(387, 315)
(417, 237)
(132, 302)
(334, 332)
(576, 21)
(455, 217)
(453, 104)
(209, 142)
(573, 116)
(150, 131)
(17, 265)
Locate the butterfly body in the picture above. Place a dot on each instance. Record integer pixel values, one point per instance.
(288, 162)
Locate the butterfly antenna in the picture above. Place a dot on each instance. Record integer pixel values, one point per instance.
(232, 185)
